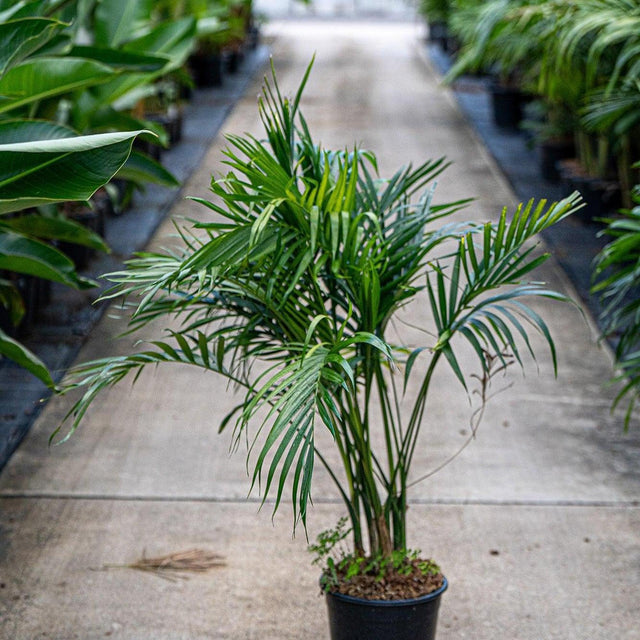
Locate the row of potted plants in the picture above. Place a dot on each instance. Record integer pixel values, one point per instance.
(572, 69)
(73, 76)
(569, 73)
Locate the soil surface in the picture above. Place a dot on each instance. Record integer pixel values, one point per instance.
(394, 586)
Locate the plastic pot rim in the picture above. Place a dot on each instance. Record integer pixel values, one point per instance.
(391, 603)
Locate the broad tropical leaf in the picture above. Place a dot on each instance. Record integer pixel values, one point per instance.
(53, 227)
(18, 353)
(40, 78)
(20, 38)
(57, 169)
(118, 21)
(120, 59)
(22, 254)
(12, 10)
(173, 41)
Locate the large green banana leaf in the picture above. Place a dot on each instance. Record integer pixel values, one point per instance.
(64, 168)
(118, 21)
(12, 10)
(21, 254)
(89, 114)
(27, 130)
(54, 226)
(40, 78)
(172, 39)
(120, 60)
(20, 38)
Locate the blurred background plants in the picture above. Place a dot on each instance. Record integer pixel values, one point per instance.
(617, 282)
(90, 91)
(576, 64)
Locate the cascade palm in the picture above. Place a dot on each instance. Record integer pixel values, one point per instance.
(289, 292)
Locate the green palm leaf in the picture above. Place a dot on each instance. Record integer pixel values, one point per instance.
(492, 297)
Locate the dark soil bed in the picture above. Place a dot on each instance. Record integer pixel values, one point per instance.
(394, 586)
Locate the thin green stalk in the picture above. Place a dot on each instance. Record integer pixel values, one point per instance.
(349, 502)
(415, 421)
(353, 500)
(374, 513)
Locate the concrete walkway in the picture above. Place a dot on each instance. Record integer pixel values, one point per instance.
(537, 524)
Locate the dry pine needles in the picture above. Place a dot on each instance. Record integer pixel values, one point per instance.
(177, 565)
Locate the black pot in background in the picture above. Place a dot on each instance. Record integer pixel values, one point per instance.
(171, 120)
(506, 103)
(5, 323)
(357, 619)
(37, 295)
(550, 152)
(185, 92)
(601, 197)
(253, 37)
(102, 203)
(206, 69)
(149, 148)
(452, 45)
(438, 32)
(232, 60)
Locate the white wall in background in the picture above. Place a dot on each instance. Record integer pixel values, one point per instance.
(336, 8)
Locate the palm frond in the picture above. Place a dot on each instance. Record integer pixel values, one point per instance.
(487, 308)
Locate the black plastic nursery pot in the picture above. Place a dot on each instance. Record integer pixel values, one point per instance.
(506, 103)
(232, 60)
(551, 151)
(171, 120)
(93, 219)
(358, 619)
(601, 197)
(206, 69)
(439, 33)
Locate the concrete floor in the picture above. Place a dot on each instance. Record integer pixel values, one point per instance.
(536, 524)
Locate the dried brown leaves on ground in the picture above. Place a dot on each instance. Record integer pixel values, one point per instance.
(177, 565)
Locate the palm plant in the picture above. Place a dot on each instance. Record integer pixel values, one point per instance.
(616, 276)
(590, 65)
(480, 27)
(290, 290)
(612, 107)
